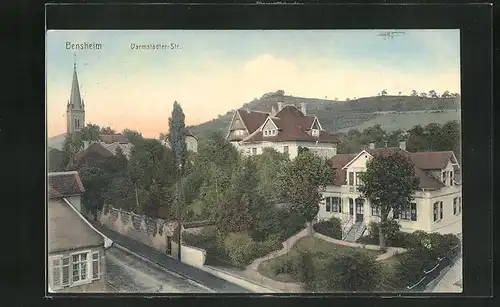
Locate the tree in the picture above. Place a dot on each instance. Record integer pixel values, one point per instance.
(446, 94)
(91, 133)
(388, 183)
(94, 180)
(107, 130)
(302, 181)
(177, 127)
(383, 92)
(433, 94)
(433, 136)
(57, 160)
(374, 134)
(416, 139)
(133, 135)
(355, 271)
(424, 95)
(414, 93)
(450, 137)
(73, 144)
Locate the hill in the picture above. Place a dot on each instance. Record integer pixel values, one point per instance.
(340, 115)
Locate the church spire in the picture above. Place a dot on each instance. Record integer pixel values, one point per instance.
(75, 99)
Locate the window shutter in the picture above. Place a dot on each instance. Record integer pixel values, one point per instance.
(413, 211)
(95, 266)
(339, 201)
(441, 210)
(65, 271)
(328, 204)
(55, 272)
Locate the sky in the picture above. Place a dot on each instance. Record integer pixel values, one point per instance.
(212, 72)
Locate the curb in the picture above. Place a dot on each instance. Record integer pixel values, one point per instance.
(240, 277)
(179, 275)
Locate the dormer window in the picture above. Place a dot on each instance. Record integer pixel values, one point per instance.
(315, 132)
(270, 132)
(445, 177)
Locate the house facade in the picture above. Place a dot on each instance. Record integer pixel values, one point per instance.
(285, 130)
(76, 250)
(437, 204)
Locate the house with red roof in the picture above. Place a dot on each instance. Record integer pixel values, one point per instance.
(437, 204)
(285, 129)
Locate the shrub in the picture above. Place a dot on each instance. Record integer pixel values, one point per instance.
(331, 228)
(391, 231)
(351, 271)
(305, 270)
(268, 246)
(240, 248)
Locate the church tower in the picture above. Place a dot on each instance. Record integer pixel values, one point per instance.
(75, 109)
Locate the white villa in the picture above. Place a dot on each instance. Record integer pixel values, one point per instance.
(437, 205)
(285, 130)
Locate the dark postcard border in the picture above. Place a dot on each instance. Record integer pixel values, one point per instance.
(474, 21)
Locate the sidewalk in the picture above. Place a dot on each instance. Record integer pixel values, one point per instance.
(451, 281)
(187, 271)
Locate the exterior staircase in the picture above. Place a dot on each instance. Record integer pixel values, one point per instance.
(355, 232)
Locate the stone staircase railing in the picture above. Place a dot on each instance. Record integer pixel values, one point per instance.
(346, 228)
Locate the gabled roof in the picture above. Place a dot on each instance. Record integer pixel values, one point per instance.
(113, 138)
(252, 119)
(293, 126)
(64, 184)
(96, 148)
(422, 161)
(67, 230)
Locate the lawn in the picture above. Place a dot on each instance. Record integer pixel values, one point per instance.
(320, 249)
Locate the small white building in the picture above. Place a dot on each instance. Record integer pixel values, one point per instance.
(437, 205)
(285, 130)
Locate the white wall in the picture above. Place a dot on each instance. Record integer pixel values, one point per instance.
(193, 256)
(191, 144)
(449, 224)
(324, 149)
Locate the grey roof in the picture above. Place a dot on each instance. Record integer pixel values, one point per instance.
(67, 230)
(56, 142)
(64, 184)
(75, 99)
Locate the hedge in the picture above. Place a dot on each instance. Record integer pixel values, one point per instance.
(331, 228)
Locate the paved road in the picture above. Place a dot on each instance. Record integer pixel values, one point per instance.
(189, 272)
(126, 272)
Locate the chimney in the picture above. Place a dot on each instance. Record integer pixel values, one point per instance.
(372, 145)
(280, 105)
(303, 108)
(273, 111)
(402, 145)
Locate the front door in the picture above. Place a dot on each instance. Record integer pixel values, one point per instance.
(351, 207)
(359, 209)
(169, 245)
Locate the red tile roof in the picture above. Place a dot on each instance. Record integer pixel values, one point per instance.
(422, 161)
(96, 148)
(64, 184)
(293, 125)
(252, 119)
(113, 138)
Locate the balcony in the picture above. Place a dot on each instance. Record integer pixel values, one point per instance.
(350, 189)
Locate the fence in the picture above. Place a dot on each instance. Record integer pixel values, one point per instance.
(433, 273)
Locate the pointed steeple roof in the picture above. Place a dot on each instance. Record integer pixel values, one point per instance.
(75, 99)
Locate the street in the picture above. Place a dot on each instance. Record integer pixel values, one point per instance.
(128, 273)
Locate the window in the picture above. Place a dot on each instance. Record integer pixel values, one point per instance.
(413, 208)
(254, 151)
(248, 151)
(359, 205)
(358, 180)
(445, 177)
(436, 211)
(336, 204)
(265, 132)
(315, 132)
(459, 205)
(451, 177)
(80, 264)
(455, 205)
(375, 210)
(351, 178)
(95, 266)
(285, 149)
(328, 204)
